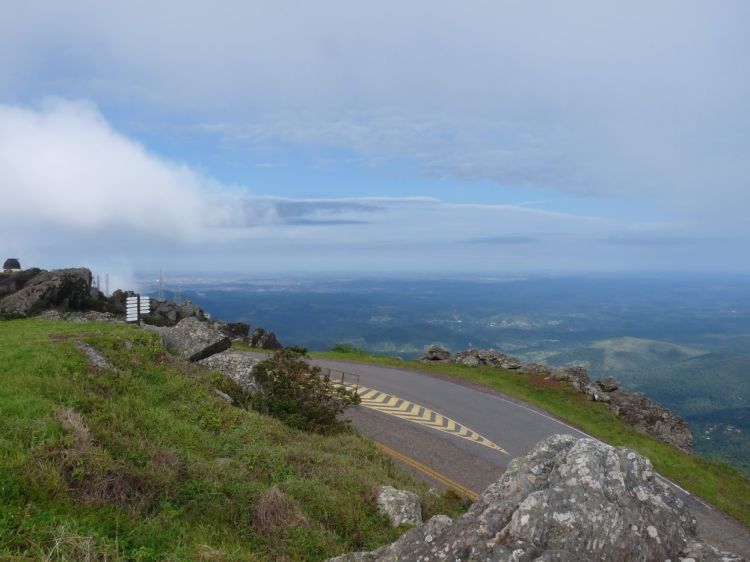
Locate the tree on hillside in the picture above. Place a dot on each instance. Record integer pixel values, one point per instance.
(300, 394)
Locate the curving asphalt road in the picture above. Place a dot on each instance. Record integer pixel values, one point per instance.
(511, 424)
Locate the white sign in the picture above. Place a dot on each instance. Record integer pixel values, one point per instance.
(133, 311)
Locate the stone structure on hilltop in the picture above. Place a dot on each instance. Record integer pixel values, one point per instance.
(567, 500)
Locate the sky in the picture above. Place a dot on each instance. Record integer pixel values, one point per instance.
(380, 137)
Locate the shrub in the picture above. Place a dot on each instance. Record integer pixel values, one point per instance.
(347, 348)
(299, 394)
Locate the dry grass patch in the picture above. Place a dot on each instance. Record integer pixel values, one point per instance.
(275, 514)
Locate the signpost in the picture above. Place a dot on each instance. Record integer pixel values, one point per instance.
(136, 306)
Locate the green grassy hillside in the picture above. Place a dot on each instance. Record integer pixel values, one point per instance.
(148, 463)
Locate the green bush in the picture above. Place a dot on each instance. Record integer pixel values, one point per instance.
(299, 394)
(347, 348)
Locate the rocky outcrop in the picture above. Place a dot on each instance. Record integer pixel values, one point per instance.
(194, 340)
(10, 282)
(236, 331)
(168, 313)
(61, 288)
(646, 415)
(261, 339)
(579, 378)
(78, 316)
(487, 357)
(568, 500)
(237, 365)
(401, 507)
(608, 384)
(436, 353)
(651, 417)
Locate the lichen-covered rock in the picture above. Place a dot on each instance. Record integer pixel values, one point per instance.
(194, 340)
(568, 500)
(401, 507)
(411, 546)
(64, 288)
(651, 417)
(261, 339)
(436, 353)
(489, 357)
(237, 365)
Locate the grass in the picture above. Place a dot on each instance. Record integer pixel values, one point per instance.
(717, 483)
(147, 463)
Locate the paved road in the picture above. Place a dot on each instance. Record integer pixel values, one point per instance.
(435, 420)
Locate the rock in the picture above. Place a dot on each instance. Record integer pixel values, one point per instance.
(94, 356)
(489, 357)
(568, 500)
(88, 316)
(168, 313)
(10, 282)
(535, 368)
(194, 340)
(401, 507)
(116, 301)
(410, 546)
(652, 418)
(237, 365)
(593, 392)
(63, 288)
(608, 384)
(234, 330)
(261, 339)
(436, 353)
(224, 396)
(577, 375)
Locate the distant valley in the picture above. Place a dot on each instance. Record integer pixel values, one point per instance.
(683, 342)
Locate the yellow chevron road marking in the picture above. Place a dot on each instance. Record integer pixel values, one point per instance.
(405, 410)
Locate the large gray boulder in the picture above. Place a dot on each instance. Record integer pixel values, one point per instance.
(63, 288)
(567, 500)
(436, 353)
(237, 365)
(400, 506)
(194, 340)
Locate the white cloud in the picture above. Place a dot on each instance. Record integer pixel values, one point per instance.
(76, 191)
(64, 166)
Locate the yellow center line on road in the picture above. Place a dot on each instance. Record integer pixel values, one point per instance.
(452, 484)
